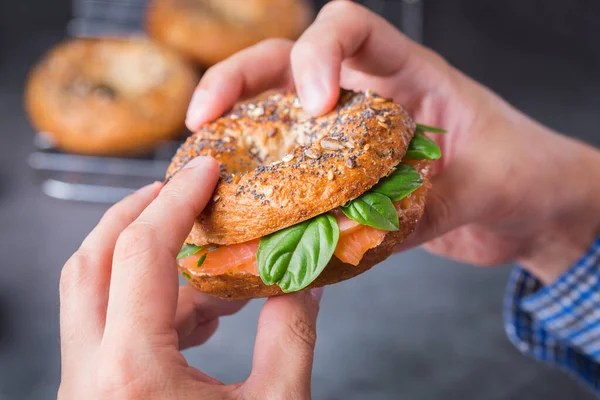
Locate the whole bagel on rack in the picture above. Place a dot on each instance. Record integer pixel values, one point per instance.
(109, 96)
(209, 31)
(280, 167)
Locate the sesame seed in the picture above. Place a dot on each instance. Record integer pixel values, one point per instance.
(383, 124)
(369, 93)
(330, 175)
(272, 132)
(269, 191)
(350, 163)
(312, 153)
(331, 144)
(349, 145)
(216, 198)
(367, 147)
(256, 112)
(288, 158)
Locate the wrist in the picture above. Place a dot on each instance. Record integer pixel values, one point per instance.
(573, 223)
(553, 254)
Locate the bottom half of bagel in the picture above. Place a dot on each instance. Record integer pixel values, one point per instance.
(232, 273)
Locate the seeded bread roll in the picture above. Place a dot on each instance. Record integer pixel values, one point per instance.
(109, 96)
(280, 167)
(209, 31)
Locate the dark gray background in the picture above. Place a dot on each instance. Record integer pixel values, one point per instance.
(416, 327)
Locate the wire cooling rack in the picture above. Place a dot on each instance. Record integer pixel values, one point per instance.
(109, 179)
(100, 17)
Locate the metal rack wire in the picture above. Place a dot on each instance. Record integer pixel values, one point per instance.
(100, 17)
(109, 179)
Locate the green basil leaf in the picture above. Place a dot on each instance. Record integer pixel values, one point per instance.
(400, 183)
(201, 260)
(422, 148)
(294, 257)
(186, 276)
(188, 250)
(426, 128)
(373, 209)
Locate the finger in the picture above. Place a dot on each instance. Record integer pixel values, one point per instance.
(144, 285)
(198, 315)
(341, 31)
(285, 342)
(348, 34)
(85, 277)
(246, 74)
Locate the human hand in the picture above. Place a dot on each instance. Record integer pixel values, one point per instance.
(124, 321)
(506, 187)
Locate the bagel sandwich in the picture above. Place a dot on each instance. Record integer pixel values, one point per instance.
(304, 202)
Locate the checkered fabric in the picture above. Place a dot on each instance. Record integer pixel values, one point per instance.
(559, 323)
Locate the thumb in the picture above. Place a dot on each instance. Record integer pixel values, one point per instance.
(285, 343)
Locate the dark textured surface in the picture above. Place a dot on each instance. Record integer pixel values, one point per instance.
(429, 328)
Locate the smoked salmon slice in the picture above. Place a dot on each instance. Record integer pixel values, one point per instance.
(352, 247)
(345, 224)
(355, 240)
(233, 258)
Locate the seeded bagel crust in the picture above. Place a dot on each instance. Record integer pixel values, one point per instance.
(238, 286)
(280, 167)
(109, 96)
(209, 31)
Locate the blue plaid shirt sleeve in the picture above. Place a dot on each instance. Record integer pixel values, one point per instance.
(559, 323)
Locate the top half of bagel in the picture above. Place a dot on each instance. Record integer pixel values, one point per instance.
(279, 166)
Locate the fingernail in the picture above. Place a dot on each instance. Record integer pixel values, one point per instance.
(197, 162)
(196, 110)
(317, 293)
(312, 95)
(149, 188)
